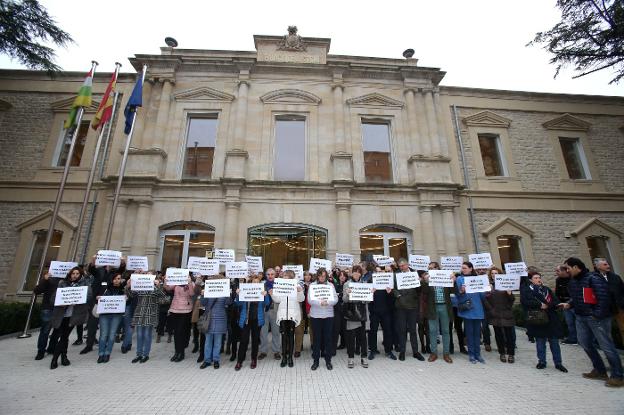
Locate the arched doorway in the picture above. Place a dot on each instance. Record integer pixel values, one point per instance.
(287, 243)
(180, 240)
(390, 240)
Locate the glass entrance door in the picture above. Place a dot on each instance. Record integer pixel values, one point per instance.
(176, 245)
(384, 240)
(286, 244)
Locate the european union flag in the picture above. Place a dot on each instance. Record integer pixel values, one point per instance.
(136, 100)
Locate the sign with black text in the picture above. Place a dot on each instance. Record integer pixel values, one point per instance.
(451, 263)
(60, 269)
(137, 263)
(477, 284)
(504, 282)
(383, 261)
(109, 304)
(142, 282)
(344, 260)
(383, 280)
(297, 269)
(254, 263)
(203, 265)
(285, 287)
(177, 276)
(440, 278)
(216, 288)
(516, 268)
(419, 262)
(71, 296)
(224, 255)
(481, 261)
(407, 280)
(320, 292)
(316, 263)
(251, 292)
(236, 270)
(360, 291)
(108, 258)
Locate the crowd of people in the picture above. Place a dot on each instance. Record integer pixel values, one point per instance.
(589, 300)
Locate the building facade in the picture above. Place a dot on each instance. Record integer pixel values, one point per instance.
(289, 152)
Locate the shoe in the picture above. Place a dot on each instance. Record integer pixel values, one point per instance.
(283, 362)
(364, 363)
(488, 348)
(594, 374)
(136, 359)
(254, 363)
(174, 358)
(315, 365)
(64, 360)
(297, 354)
(200, 358)
(77, 342)
(277, 356)
(262, 356)
(561, 368)
(418, 356)
(195, 348)
(238, 366)
(566, 341)
(447, 358)
(329, 366)
(204, 365)
(432, 357)
(401, 356)
(232, 358)
(216, 365)
(100, 359)
(40, 355)
(463, 350)
(157, 338)
(86, 350)
(341, 346)
(391, 355)
(615, 382)
(510, 358)
(180, 357)
(473, 360)
(124, 350)
(503, 358)
(54, 362)
(371, 356)
(541, 365)
(106, 358)
(291, 363)
(169, 338)
(350, 364)
(481, 360)
(144, 359)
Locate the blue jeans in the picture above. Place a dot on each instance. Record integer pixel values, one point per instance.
(144, 340)
(127, 320)
(434, 330)
(472, 329)
(109, 323)
(44, 332)
(570, 318)
(540, 343)
(589, 329)
(212, 347)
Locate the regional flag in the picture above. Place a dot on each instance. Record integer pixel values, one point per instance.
(105, 110)
(135, 101)
(82, 100)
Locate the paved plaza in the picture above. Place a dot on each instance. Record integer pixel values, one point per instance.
(386, 387)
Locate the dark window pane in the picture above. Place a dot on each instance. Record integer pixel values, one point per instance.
(572, 158)
(371, 245)
(78, 149)
(490, 154)
(290, 149)
(287, 245)
(35, 256)
(509, 249)
(397, 248)
(376, 144)
(200, 146)
(599, 248)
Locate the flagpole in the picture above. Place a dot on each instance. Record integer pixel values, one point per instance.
(122, 169)
(101, 174)
(85, 203)
(57, 205)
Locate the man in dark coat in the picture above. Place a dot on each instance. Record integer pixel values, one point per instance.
(616, 291)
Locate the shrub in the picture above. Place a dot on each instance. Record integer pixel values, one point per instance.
(13, 317)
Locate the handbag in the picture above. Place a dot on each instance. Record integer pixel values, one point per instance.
(204, 321)
(537, 317)
(353, 312)
(465, 305)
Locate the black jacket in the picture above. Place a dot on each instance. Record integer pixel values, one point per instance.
(47, 288)
(616, 290)
(601, 290)
(532, 299)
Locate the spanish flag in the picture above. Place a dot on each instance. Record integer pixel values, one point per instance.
(105, 110)
(82, 100)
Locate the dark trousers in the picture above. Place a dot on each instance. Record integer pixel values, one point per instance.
(457, 322)
(252, 329)
(386, 326)
(322, 328)
(287, 329)
(181, 323)
(44, 331)
(505, 340)
(199, 339)
(485, 332)
(92, 327)
(163, 323)
(423, 333)
(356, 334)
(338, 329)
(64, 331)
(405, 320)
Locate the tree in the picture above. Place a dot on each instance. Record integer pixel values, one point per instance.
(24, 25)
(590, 37)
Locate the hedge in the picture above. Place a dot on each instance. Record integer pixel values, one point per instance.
(13, 317)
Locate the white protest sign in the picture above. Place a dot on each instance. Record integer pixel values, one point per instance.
(203, 265)
(71, 296)
(285, 287)
(504, 282)
(320, 292)
(452, 263)
(59, 269)
(383, 260)
(251, 292)
(255, 264)
(344, 260)
(477, 284)
(177, 276)
(236, 270)
(407, 280)
(297, 269)
(137, 262)
(383, 280)
(360, 291)
(216, 288)
(440, 278)
(419, 262)
(142, 282)
(111, 304)
(316, 263)
(481, 261)
(516, 268)
(110, 258)
(224, 256)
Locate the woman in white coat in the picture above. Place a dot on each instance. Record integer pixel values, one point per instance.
(288, 317)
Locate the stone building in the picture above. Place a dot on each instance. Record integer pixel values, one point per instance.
(290, 152)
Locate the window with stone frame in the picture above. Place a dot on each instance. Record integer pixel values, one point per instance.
(201, 138)
(289, 160)
(509, 249)
(599, 248)
(491, 155)
(66, 137)
(377, 154)
(574, 158)
(39, 238)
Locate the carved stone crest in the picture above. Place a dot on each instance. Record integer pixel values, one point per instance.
(292, 41)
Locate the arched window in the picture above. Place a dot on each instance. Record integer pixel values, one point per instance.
(180, 240)
(390, 240)
(287, 243)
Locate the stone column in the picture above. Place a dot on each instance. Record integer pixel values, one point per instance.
(440, 116)
(423, 129)
(343, 216)
(163, 114)
(412, 122)
(141, 226)
(429, 237)
(232, 208)
(339, 135)
(432, 123)
(241, 116)
(450, 236)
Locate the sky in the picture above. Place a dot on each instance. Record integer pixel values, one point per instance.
(479, 43)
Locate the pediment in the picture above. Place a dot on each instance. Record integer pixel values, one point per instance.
(487, 119)
(203, 93)
(567, 122)
(506, 221)
(65, 105)
(598, 223)
(43, 218)
(374, 100)
(290, 96)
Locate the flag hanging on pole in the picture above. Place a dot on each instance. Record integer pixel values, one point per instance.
(105, 110)
(136, 100)
(82, 100)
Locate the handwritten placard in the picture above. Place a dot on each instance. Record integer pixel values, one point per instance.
(254, 263)
(142, 282)
(285, 287)
(419, 262)
(407, 280)
(236, 270)
(224, 256)
(320, 292)
(477, 284)
(297, 269)
(71, 296)
(60, 269)
(383, 280)
(451, 263)
(108, 304)
(516, 268)
(134, 263)
(503, 282)
(108, 258)
(360, 291)
(382, 260)
(344, 260)
(251, 292)
(203, 265)
(481, 261)
(217, 288)
(316, 263)
(177, 276)
(440, 278)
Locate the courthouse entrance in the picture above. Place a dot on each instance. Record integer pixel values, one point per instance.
(389, 240)
(182, 240)
(287, 244)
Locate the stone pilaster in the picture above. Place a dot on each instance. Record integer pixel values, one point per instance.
(342, 159)
(236, 156)
(448, 225)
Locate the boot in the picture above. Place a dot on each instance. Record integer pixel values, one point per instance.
(54, 362)
(64, 360)
(200, 358)
(284, 360)
(291, 347)
(284, 350)
(158, 338)
(195, 346)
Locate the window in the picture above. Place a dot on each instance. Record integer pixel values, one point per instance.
(66, 137)
(599, 248)
(289, 162)
(574, 158)
(287, 244)
(491, 155)
(377, 158)
(509, 249)
(384, 240)
(182, 240)
(200, 145)
(39, 238)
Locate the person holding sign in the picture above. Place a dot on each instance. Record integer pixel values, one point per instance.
(251, 320)
(355, 314)
(65, 317)
(499, 306)
(180, 313)
(439, 311)
(407, 304)
(270, 322)
(288, 317)
(215, 325)
(47, 286)
(322, 318)
(470, 308)
(381, 313)
(540, 305)
(109, 322)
